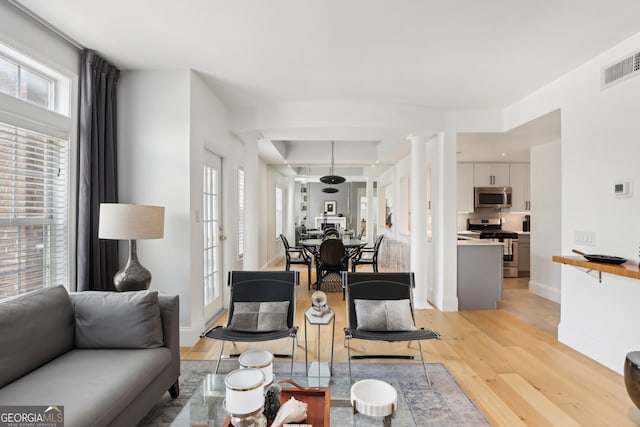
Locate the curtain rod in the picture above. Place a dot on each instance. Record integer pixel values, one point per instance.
(46, 24)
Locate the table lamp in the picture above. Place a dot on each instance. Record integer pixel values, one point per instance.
(120, 221)
(244, 397)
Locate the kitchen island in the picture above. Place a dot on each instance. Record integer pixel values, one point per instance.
(480, 273)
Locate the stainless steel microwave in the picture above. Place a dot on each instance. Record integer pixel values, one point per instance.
(492, 197)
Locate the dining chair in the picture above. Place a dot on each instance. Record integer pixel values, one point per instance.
(368, 255)
(262, 308)
(296, 255)
(332, 258)
(380, 308)
(331, 233)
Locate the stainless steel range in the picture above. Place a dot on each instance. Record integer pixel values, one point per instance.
(491, 229)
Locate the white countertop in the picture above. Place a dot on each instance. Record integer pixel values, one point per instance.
(470, 241)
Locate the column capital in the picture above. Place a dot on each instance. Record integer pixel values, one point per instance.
(420, 136)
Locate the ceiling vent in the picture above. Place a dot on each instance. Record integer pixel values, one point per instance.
(621, 70)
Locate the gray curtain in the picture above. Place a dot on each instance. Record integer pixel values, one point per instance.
(97, 260)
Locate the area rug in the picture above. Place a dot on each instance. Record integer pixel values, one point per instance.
(444, 403)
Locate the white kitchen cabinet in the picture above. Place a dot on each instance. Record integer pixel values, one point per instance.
(491, 174)
(520, 187)
(465, 187)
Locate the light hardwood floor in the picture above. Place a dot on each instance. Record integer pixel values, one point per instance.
(515, 373)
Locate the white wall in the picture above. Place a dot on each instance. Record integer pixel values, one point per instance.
(154, 168)
(599, 146)
(209, 130)
(166, 120)
(546, 236)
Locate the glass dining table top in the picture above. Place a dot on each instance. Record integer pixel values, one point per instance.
(205, 407)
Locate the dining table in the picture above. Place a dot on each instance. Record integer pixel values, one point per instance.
(352, 245)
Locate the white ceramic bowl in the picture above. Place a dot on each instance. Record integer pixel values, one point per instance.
(374, 398)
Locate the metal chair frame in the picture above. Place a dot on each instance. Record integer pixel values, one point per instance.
(382, 286)
(259, 286)
(357, 260)
(301, 257)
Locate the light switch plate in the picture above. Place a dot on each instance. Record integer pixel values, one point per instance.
(586, 238)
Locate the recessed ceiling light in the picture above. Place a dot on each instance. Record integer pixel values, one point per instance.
(503, 154)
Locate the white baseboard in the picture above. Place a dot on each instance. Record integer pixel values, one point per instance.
(545, 291)
(591, 346)
(187, 337)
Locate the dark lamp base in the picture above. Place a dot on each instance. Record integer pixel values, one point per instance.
(133, 277)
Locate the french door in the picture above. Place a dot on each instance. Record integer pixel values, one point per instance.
(212, 234)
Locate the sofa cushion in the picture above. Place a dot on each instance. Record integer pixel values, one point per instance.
(94, 386)
(117, 319)
(384, 315)
(34, 328)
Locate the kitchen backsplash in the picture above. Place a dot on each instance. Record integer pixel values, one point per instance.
(511, 222)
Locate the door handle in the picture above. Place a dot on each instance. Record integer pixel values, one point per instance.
(222, 237)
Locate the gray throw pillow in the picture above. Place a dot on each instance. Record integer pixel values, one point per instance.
(117, 319)
(384, 315)
(260, 316)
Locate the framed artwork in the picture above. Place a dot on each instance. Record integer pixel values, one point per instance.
(330, 207)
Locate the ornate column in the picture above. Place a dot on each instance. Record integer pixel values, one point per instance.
(290, 228)
(371, 211)
(251, 258)
(419, 217)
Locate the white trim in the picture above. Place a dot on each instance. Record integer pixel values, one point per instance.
(545, 291)
(187, 337)
(46, 24)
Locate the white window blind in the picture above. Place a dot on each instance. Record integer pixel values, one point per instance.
(33, 210)
(240, 212)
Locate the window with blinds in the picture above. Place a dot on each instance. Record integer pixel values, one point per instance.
(33, 210)
(240, 212)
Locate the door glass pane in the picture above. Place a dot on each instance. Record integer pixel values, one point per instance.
(210, 229)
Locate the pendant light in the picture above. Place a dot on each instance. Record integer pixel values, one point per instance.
(332, 178)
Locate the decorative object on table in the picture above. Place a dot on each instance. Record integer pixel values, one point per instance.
(444, 403)
(319, 303)
(258, 359)
(332, 178)
(374, 398)
(120, 221)
(632, 376)
(330, 207)
(291, 411)
(244, 397)
(272, 401)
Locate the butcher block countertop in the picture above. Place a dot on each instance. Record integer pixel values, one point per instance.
(628, 269)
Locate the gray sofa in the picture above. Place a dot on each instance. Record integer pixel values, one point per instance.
(106, 357)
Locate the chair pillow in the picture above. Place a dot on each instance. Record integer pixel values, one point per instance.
(260, 316)
(117, 319)
(384, 315)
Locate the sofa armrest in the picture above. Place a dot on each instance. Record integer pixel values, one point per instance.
(170, 315)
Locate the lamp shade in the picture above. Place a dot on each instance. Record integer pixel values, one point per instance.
(119, 221)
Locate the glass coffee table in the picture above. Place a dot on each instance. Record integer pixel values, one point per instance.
(205, 409)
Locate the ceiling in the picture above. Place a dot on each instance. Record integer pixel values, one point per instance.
(443, 55)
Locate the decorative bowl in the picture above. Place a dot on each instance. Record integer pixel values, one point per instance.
(374, 398)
